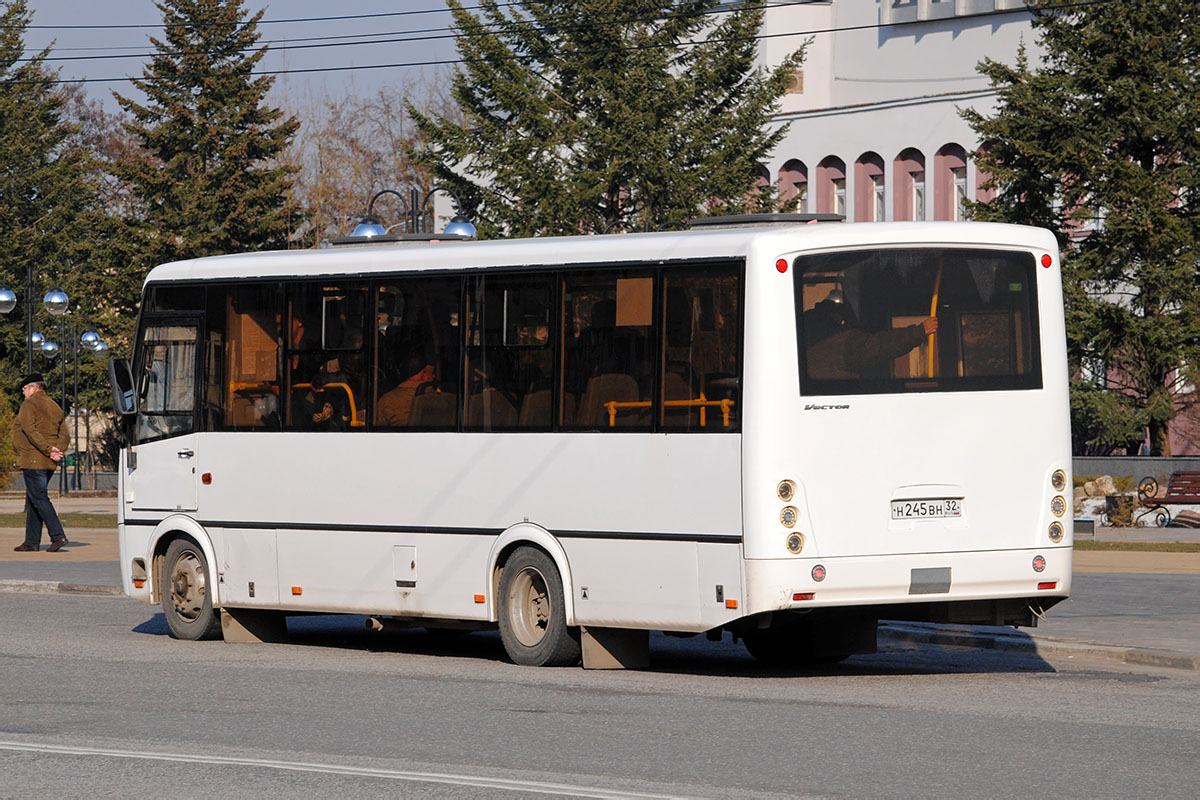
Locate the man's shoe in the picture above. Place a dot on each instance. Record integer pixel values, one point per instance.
(56, 546)
(25, 548)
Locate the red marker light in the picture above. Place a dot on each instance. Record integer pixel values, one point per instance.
(1048, 585)
(818, 573)
(798, 596)
(206, 479)
(1039, 563)
(1047, 260)
(781, 265)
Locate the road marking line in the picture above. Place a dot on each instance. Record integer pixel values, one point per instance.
(337, 769)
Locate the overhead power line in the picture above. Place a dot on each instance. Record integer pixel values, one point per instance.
(452, 61)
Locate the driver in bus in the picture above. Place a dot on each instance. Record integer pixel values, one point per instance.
(838, 349)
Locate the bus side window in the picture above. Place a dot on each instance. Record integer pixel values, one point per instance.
(700, 333)
(608, 349)
(326, 357)
(418, 362)
(167, 376)
(509, 354)
(241, 383)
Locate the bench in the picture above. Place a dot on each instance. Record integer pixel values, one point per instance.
(1183, 488)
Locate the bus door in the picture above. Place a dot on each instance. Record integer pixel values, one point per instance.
(164, 477)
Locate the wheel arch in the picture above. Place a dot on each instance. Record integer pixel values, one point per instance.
(527, 533)
(175, 527)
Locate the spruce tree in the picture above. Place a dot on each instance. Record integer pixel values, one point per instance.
(208, 175)
(586, 115)
(48, 216)
(1101, 143)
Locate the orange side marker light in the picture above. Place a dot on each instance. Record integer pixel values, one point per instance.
(296, 590)
(480, 598)
(138, 583)
(731, 603)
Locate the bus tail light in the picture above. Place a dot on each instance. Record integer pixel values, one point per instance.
(1056, 532)
(1048, 585)
(1058, 480)
(795, 543)
(818, 573)
(1039, 563)
(798, 596)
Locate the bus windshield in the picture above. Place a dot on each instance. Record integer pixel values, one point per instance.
(917, 320)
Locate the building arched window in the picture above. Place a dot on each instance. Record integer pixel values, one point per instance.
(870, 195)
(950, 192)
(793, 183)
(762, 179)
(908, 179)
(831, 186)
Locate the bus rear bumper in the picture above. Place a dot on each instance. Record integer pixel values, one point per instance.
(910, 579)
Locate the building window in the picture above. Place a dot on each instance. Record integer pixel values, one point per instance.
(796, 85)
(918, 195)
(879, 210)
(960, 193)
(839, 196)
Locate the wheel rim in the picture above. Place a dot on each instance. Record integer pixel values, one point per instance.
(529, 607)
(188, 586)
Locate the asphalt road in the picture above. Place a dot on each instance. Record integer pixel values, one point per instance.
(95, 699)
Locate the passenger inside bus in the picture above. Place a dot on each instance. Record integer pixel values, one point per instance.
(838, 348)
(323, 407)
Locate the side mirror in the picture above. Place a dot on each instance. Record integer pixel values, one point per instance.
(120, 379)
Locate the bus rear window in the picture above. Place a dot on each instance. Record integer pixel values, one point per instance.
(917, 320)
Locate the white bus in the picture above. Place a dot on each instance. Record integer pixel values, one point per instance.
(786, 431)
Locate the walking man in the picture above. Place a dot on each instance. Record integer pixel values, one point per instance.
(39, 439)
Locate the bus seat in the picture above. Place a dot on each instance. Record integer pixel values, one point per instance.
(434, 410)
(613, 387)
(491, 408)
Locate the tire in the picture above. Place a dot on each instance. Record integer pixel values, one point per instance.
(777, 647)
(186, 602)
(533, 619)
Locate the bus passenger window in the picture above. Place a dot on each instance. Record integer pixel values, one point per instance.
(700, 330)
(417, 354)
(509, 353)
(608, 350)
(326, 357)
(241, 383)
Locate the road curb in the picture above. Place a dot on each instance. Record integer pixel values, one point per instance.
(921, 633)
(57, 587)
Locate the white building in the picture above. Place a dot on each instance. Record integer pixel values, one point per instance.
(875, 127)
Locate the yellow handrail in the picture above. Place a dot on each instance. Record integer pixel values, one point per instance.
(703, 404)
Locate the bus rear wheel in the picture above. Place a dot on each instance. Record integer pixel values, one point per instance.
(186, 602)
(533, 619)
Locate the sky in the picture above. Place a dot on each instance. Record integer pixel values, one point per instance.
(422, 25)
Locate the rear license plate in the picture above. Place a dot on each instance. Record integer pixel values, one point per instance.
(927, 509)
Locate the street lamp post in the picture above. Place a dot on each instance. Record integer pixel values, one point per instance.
(371, 226)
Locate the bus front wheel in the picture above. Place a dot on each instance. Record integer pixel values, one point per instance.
(186, 602)
(533, 619)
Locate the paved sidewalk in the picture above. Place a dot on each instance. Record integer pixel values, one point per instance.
(1131, 607)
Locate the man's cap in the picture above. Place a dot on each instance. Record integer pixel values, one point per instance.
(33, 377)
